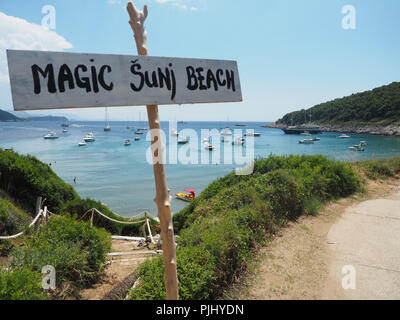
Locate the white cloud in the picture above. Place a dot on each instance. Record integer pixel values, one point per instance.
(182, 4)
(16, 33)
(114, 1)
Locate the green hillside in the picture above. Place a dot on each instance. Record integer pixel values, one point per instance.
(24, 178)
(6, 116)
(380, 106)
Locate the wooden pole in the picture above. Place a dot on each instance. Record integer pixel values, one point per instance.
(38, 208)
(163, 199)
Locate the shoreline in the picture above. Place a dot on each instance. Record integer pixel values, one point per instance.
(390, 130)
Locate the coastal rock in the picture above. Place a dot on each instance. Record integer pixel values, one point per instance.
(390, 130)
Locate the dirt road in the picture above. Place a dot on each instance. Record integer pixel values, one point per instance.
(359, 236)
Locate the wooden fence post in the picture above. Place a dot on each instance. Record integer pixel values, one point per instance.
(38, 208)
(163, 199)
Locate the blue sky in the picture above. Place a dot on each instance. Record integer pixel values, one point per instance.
(291, 54)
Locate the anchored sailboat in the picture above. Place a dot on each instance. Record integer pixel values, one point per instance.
(107, 127)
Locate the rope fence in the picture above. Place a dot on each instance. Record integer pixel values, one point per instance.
(46, 214)
(15, 236)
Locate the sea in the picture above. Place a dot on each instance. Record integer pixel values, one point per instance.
(122, 177)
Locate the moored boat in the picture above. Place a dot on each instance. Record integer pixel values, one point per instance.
(307, 141)
(51, 136)
(89, 137)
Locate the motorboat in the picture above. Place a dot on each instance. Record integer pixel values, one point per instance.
(65, 130)
(316, 139)
(137, 138)
(183, 141)
(252, 134)
(51, 136)
(343, 136)
(82, 144)
(358, 147)
(226, 132)
(305, 133)
(307, 141)
(89, 137)
(140, 131)
(188, 197)
(127, 143)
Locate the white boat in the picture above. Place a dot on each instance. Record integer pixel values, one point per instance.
(82, 144)
(140, 131)
(65, 130)
(127, 143)
(305, 133)
(307, 141)
(343, 136)
(51, 136)
(252, 134)
(89, 137)
(226, 132)
(358, 147)
(137, 138)
(183, 141)
(316, 139)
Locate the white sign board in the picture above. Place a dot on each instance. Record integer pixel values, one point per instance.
(52, 80)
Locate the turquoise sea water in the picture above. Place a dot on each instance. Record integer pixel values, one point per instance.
(120, 176)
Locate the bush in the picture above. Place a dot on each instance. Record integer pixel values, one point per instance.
(75, 249)
(81, 206)
(25, 178)
(379, 169)
(233, 215)
(12, 221)
(20, 284)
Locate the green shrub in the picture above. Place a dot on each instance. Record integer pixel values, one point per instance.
(25, 178)
(12, 221)
(81, 206)
(379, 169)
(20, 284)
(233, 215)
(75, 249)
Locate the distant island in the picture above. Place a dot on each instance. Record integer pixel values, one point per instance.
(6, 116)
(376, 112)
(9, 117)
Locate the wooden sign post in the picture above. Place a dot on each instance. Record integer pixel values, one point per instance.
(55, 80)
(163, 198)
